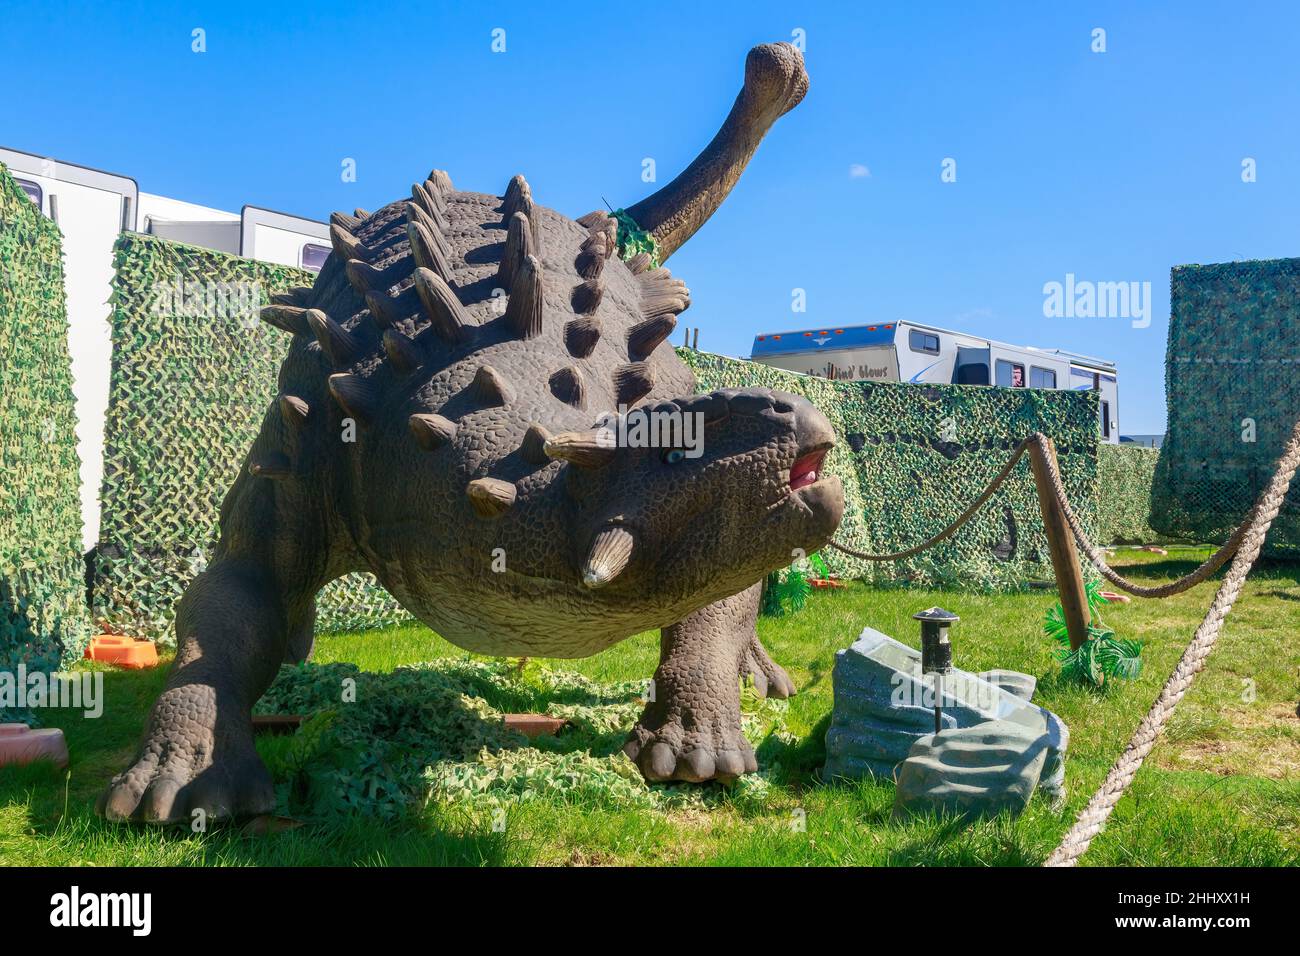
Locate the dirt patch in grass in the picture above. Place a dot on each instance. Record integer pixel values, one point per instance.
(1262, 741)
(580, 857)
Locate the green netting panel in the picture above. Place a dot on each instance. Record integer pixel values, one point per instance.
(913, 456)
(1232, 374)
(1124, 476)
(43, 615)
(193, 372)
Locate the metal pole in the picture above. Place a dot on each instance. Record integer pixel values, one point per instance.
(938, 703)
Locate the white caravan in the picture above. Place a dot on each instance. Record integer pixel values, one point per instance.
(910, 352)
(91, 208)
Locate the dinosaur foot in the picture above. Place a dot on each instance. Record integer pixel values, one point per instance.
(769, 678)
(669, 752)
(193, 766)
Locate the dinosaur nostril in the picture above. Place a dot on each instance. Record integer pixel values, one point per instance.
(783, 407)
(750, 401)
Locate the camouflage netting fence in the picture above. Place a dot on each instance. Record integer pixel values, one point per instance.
(1232, 383)
(43, 616)
(1124, 477)
(911, 457)
(193, 372)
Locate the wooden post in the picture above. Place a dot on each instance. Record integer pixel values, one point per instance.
(1060, 540)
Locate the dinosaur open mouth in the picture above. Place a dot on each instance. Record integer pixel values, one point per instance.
(806, 469)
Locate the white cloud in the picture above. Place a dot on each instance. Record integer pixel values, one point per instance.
(858, 171)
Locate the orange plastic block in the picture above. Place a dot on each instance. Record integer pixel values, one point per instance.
(122, 651)
(534, 725)
(19, 745)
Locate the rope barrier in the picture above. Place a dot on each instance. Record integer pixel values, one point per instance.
(1094, 815)
(1095, 556)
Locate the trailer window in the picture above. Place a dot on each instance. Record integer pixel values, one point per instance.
(926, 342)
(313, 256)
(33, 190)
(1010, 374)
(1041, 377)
(1105, 419)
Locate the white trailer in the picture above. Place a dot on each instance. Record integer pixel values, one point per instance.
(92, 208)
(915, 353)
(279, 237)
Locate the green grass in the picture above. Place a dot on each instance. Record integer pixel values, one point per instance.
(1221, 788)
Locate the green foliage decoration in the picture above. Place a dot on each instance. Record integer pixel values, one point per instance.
(384, 744)
(785, 591)
(44, 621)
(633, 240)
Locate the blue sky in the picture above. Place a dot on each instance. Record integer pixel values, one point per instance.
(1112, 166)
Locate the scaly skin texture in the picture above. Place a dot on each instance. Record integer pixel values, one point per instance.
(447, 421)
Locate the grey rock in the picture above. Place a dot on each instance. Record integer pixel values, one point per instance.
(1013, 682)
(884, 705)
(983, 770)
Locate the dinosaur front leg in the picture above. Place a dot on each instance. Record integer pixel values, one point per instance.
(691, 729)
(197, 753)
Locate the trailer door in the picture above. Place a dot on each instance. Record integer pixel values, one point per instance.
(972, 366)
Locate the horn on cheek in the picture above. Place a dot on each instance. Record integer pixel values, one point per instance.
(609, 555)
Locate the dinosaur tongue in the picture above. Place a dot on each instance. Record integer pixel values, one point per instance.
(804, 471)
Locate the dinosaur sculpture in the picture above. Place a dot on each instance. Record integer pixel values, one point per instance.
(435, 427)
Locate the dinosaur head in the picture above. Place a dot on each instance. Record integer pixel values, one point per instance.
(699, 497)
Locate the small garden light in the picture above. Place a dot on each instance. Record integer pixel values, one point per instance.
(936, 652)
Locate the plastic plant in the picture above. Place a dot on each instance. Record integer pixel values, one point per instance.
(1102, 655)
(633, 240)
(787, 591)
(819, 566)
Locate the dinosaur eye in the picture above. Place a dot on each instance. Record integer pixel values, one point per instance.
(672, 456)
